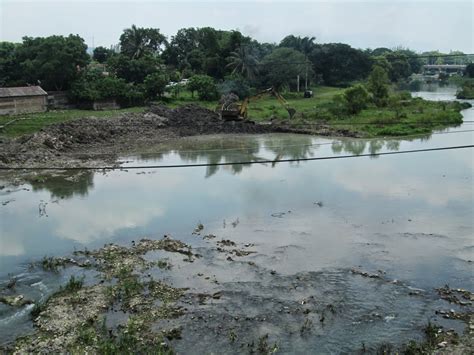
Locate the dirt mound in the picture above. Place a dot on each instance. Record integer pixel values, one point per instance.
(91, 137)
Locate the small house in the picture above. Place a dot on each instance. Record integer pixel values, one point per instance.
(25, 99)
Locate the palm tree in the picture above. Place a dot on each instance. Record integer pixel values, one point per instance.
(135, 41)
(244, 62)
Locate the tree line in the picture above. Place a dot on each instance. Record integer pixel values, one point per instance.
(215, 61)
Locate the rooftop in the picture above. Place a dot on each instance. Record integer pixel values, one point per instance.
(22, 91)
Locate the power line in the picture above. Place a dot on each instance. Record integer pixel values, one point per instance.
(251, 162)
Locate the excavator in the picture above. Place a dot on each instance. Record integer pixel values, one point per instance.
(231, 110)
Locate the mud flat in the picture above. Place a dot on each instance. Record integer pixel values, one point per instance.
(97, 142)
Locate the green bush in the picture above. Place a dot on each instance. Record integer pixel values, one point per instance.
(357, 98)
(93, 85)
(337, 107)
(205, 87)
(377, 85)
(155, 84)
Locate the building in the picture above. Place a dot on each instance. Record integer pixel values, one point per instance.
(16, 100)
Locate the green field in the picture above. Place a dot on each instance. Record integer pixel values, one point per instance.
(33, 122)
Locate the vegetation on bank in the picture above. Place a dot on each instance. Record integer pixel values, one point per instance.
(145, 64)
(14, 126)
(466, 90)
(402, 115)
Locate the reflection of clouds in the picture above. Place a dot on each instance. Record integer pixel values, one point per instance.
(124, 201)
(94, 221)
(10, 247)
(118, 201)
(390, 180)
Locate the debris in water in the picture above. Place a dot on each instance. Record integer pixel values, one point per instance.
(15, 301)
(236, 222)
(198, 229)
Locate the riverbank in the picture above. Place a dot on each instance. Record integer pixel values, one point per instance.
(99, 141)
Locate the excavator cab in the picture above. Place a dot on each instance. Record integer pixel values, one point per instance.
(232, 110)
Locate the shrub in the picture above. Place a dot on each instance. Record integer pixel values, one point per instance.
(357, 98)
(155, 84)
(205, 87)
(377, 85)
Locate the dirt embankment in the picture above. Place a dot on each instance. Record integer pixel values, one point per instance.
(101, 140)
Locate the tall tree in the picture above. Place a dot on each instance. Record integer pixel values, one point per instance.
(340, 64)
(399, 66)
(101, 54)
(135, 42)
(133, 70)
(54, 62)
(9, 66)
(244, 62)
(283, 65)
(302, 44)
(378, 85)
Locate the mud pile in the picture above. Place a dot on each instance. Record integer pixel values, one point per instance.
(191, 120)
(117, 135)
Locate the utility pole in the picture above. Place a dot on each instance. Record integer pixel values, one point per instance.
(298, 82)
(306, 77)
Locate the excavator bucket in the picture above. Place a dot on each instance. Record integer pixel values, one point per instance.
(291, 112)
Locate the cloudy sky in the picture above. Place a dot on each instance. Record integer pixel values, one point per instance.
(420, 25)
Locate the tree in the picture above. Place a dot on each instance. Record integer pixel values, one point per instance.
(180, 46)
(9, 66)
(399, 66)
(205, 87)
(340, 64)
(54, 62)
(380, 51)
(412, 57)
(283, 65)
(242, 61)
(357, 98)
(101, 54)
(378, 85)
(133, 70)
(469, 71)
(155, 84)
(136, 42)
(304, 45)
(93, 85)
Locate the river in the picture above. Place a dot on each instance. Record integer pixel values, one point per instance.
(408, 217)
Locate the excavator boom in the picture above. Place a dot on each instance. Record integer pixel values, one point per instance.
(241, 111)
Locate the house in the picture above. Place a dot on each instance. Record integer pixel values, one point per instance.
(25, 99)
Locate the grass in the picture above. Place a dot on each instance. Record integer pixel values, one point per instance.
(411, 117)
(30, 123)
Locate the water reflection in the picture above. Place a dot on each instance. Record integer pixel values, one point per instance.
(358, 147)
(65, 185)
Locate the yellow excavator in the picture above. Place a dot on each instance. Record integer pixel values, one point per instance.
(231, 110)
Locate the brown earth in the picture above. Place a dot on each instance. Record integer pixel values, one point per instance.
(97, 141)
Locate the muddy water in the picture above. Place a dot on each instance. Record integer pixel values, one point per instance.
(407, 218)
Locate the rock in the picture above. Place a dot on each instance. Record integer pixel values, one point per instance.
(15, 301)
(443, 344)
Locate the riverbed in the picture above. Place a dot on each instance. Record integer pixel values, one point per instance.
(318, 230)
